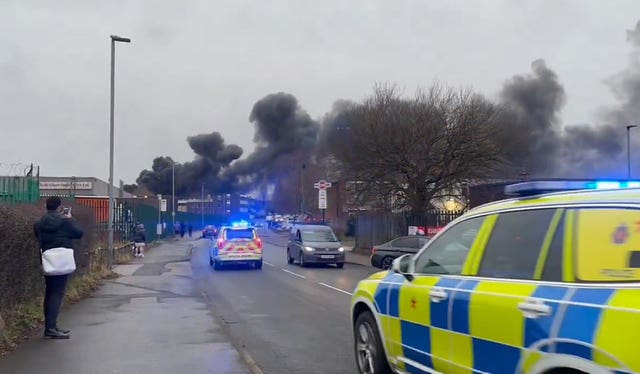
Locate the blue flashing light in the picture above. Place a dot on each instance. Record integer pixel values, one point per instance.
(542, 187)
(240, 224)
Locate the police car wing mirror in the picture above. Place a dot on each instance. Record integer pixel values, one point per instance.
(402, 265)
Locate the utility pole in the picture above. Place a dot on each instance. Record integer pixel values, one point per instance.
(202, 206)
(302, 193)
(173, 197)
(629, 150)
(159, 228)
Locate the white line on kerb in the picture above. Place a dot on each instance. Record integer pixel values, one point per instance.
(334, 288)
(268, 263)
(294, 274)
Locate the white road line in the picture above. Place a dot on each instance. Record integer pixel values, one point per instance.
(294, 274)
(268, 263)
(334, 288)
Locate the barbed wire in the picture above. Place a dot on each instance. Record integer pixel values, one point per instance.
(17, 169)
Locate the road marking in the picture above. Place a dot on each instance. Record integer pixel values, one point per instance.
(268, 263)
(294, 274)
(334, 288)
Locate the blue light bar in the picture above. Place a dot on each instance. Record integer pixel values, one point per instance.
(542, 187)
(240, 224)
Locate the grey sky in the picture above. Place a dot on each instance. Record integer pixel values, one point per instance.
(199, 66)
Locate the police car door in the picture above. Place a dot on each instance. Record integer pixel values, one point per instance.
(421, 337)
(507, 310)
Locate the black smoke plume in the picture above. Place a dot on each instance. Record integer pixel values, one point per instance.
(212, 155)
(285, 135)
(547, 148)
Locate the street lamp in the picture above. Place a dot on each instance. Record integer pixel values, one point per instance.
(202, 206)
(302, 193)
(114, 39)
(173, 197)
(629, 150)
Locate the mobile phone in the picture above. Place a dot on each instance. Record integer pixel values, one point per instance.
(66, 211)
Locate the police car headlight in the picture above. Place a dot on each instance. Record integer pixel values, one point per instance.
(341, 249)
(309, 249)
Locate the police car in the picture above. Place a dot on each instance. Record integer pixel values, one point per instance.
(237, 244)
(542, 283)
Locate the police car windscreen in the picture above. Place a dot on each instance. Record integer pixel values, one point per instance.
(319, 236)
(240, 234)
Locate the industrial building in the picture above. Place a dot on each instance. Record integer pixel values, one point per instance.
(78, 186)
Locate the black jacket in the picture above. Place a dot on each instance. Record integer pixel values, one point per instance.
(139, 237)
(53, 230)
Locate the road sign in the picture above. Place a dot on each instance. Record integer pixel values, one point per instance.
(163, 205)
(322, 199)
(322, 184)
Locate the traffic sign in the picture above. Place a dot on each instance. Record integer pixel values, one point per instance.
(163, 205)
(322, 184)
(322, 199)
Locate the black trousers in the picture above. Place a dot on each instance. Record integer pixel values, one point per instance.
(53, 295)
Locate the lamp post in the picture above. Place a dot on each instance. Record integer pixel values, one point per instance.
(302, 193)
(202, 206)
(114, 39)
(629, 127)
(173, 198)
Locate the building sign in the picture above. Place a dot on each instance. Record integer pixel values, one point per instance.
(65, 185)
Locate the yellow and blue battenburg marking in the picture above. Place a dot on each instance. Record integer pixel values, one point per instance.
(479, 328)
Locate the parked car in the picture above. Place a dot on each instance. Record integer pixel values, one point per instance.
(382, 255)
(210, 231)
(314, 244)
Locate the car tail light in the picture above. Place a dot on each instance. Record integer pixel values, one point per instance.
(259, 242)
(373, 250)
(220, 243)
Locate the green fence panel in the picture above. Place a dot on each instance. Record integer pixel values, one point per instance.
(19, 190)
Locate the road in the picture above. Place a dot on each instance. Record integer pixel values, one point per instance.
(289, 319)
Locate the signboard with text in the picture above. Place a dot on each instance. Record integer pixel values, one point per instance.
(322, 199)
(65, 185)
(322, 186)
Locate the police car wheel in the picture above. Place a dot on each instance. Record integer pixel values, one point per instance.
(258, 265)
(216, 265)
(370, 356)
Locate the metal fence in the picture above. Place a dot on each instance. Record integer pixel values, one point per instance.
(373, 228)
(19, 189)
(128, 212)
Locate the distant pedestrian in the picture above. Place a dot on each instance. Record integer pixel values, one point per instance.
(190, 229)
(139, 241)
(56, 231)
(182, 229)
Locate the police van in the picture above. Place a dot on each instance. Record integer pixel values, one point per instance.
(237, 244)
(546, 282)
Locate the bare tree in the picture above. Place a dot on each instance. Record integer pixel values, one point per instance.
(405, 152)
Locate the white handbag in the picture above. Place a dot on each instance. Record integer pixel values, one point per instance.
(58, 261)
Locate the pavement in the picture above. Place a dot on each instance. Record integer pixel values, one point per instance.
(152, 319)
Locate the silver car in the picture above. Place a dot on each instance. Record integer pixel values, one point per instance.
(314, 244)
